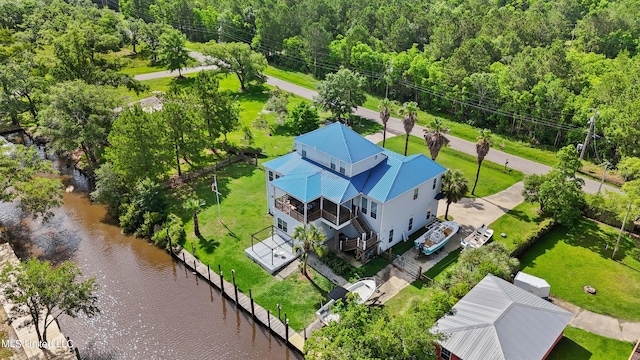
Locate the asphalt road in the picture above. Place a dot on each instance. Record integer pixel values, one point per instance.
(394, 126)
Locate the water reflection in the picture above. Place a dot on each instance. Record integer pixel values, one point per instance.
(149, 310)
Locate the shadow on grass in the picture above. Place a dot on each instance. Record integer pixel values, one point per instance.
(585, 233)
(202, 188)
(207, 245)
(320, 290)
(569, 349)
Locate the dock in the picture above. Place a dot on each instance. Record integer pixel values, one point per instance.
(243, 302)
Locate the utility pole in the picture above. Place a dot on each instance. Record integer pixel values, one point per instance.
(624, 222)
(604, 174)
(592, 124)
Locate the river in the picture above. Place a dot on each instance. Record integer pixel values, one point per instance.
(151, 306)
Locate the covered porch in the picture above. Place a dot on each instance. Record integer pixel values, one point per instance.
(305, 212)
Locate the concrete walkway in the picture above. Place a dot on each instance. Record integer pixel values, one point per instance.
(602, 325)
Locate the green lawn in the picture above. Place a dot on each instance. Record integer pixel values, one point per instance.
(518, 223)
(437, 272)
(570, 259)
(460, 130)
(578, 344)
(493, 177)
(401, 302)
(244, 211)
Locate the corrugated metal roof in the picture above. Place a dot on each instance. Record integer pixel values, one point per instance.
(385, 181)
(399, 174)
(497, 320)
(304, 187)
(340, 142)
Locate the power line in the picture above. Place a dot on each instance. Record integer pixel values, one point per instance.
(473, 100)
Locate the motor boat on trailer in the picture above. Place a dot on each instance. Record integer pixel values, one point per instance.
(364, 288)
(436, 237)
(481, 236)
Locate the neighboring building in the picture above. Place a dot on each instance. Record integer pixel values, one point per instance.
(363, 196)
(497, 320)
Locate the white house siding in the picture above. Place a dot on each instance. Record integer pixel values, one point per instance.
(291, 222)
(366, 164)
(323, 159)
(397, 212)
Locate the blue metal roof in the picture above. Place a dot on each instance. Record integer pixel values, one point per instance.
(340, 142)
(307, 180)
(304, 187)
(399, 174)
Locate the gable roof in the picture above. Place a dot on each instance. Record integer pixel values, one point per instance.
(497, 320)
(340, 142)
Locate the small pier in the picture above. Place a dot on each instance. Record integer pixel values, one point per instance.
(243, 302)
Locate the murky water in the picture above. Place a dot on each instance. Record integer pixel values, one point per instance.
(151, 306)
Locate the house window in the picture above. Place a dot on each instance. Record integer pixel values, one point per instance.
(391, 235)
(333, 164)
(364, 205)
(342, 167)
(270, 175)
(282, 225)
(410, 224)
(445, 354)
(374, 210)
(435, 181)
(304, 150)
(415, 193)
(277, 176)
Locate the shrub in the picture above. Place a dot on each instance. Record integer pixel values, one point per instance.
(152, 220)
(175, 228)
(149, 197)
(543, 228)
(303, 118)
(341, 267)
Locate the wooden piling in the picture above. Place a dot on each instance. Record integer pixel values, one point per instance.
(286, 329)
(221, 282)
(253, 310)
(209, 272)
(183, 260)
(235, 287)
(419, 272)
(269, 319)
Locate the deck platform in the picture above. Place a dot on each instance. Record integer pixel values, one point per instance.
(272, 253)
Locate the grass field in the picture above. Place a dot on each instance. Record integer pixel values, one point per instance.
(437, 272)
(493, 177)
(581, 345)
(400, 303)
(570, 259)
(518, 223)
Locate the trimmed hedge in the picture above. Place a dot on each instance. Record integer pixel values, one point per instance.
(543, 228)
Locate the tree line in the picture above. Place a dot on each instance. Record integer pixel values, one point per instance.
(529, 69)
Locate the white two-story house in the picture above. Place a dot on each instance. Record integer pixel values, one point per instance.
(365, 197)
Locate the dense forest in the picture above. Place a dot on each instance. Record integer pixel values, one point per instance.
(534, 70)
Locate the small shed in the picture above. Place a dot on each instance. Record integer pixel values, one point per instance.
(535, 285)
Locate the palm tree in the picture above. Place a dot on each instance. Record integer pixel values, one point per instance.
(310, 238)
(482, 148)
(194, 205)
(435, 138)
(409, 112)
(454, 187)
(385, 109)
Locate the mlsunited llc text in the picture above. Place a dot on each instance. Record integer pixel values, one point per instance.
(53, 344)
